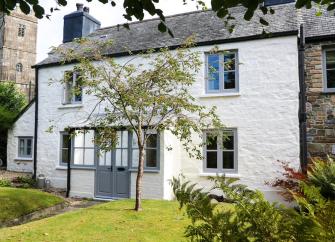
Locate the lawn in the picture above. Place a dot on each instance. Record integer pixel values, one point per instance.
(15, 202)
(113, 221)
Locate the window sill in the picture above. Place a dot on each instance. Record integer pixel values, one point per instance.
(231, 175)
(65, 106)
(23, 159)
(227, 94)
(145, 171)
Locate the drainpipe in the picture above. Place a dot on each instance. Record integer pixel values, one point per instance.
(68, 180)
(302, 101)
(36, 122)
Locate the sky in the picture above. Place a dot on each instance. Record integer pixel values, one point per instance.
(50, 32)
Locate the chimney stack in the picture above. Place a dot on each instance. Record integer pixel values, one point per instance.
(79, 24)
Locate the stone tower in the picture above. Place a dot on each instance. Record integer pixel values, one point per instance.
(18, 34)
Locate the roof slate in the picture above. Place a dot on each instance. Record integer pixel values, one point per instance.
(206, 27)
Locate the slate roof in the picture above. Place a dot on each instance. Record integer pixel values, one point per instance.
(317, 26)
(207, 28)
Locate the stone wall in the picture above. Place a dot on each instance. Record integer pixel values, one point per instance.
(320, 105)
(15, 49)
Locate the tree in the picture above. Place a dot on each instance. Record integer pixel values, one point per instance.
(150, 91)
(11, 103)
(137, 8)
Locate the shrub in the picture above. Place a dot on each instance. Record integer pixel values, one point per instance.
(5, 183)
(24, 181)
(322, 175)
(252, 219)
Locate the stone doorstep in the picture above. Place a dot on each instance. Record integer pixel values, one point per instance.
(43, 213)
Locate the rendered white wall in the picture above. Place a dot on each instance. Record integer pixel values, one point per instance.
(23, 127)
(265, 113)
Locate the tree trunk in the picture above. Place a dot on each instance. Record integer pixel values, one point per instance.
(138, 204)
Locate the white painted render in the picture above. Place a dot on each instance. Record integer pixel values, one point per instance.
(264, 112)
(23, 127)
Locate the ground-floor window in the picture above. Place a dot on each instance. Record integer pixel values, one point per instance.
(151, 155)
(220, 151)
(125, 154)
(25, 147)
(83, 148)
(65, 148)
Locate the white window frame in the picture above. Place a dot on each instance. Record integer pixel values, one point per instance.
(219, 151)
(221, 72)
(324, 70)
(25, 147)
(68, 89)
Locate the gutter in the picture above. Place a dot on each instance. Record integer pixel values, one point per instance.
(302, 101)
(36, 123)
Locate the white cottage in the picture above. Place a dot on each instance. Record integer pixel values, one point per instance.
(258, 101)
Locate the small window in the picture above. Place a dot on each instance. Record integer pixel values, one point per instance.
(222, 73)
(151, 156)
(83, 148)
(73, 91)
(21, 31)
(329, 70)
(25, 147)
(19, 67)
(65, 148)
(220, 152)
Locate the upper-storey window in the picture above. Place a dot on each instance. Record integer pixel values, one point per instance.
(329, 70)
(222, 72)
(19, 67)
(22, 30)
(73, 91)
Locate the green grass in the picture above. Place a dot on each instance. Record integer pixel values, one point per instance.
(15, 202)
(113, 221)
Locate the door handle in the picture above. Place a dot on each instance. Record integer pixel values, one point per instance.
(121, 169)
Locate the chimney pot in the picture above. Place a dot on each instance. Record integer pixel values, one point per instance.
(86, 9)
(80, 6)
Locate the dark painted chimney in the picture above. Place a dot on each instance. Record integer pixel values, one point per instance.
(79, 24)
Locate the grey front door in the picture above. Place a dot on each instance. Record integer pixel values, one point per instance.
(112, 176)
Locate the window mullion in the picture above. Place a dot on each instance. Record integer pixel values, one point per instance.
(219, 144)
(221, 72)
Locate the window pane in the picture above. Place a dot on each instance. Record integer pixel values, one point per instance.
(79, 139)
(124, 139)
(331, 78)
(213, 72)
(65, 140)
(89, 138)
(124, 157)
(78, 156)
(89, 157)
(211, 142)
(135, 158)
(108, 158)
(228, 159)
(118, 158)
(229, 61)
(152, 141)
(228, 142)
(134, 141)
(65, 156)
(211, 158)
(229, 80)
(151, 157)
(78, 89)
(330, 59)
